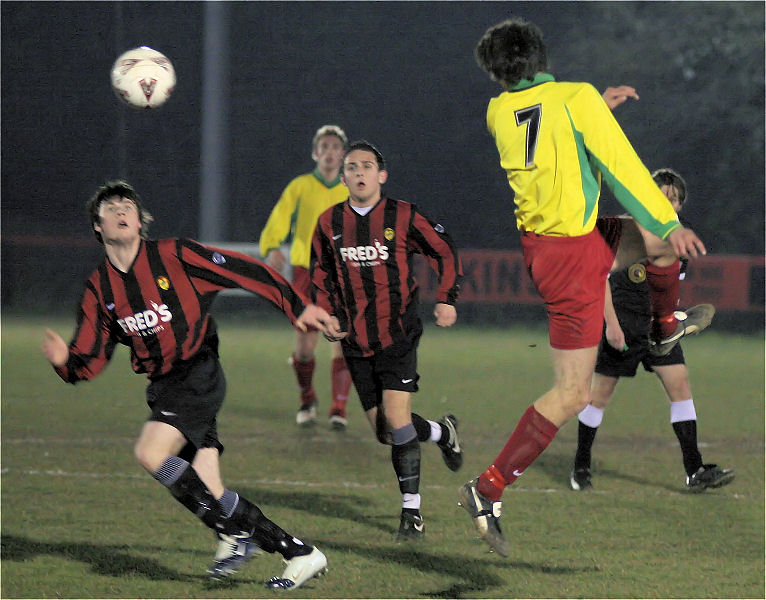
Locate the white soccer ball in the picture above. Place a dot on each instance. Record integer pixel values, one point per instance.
(143, 78)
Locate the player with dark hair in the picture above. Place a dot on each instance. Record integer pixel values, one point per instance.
(625, 345)
(361, 271)
(296, 213)
(154, 297)
(557, 141)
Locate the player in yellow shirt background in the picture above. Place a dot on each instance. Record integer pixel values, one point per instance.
(295, 214)
(556, 142)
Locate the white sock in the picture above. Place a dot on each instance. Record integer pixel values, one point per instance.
(682, 411)
(410, 500)
(591, 416)
(436, 431)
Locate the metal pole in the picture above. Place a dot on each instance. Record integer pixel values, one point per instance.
(214, 144)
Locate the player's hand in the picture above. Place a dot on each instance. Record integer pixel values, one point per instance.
(615, 336)
(276, 259)
(614, 96)
(55, 348)
(686, 243)
(315, 317)
(445, 314)
(334, 333)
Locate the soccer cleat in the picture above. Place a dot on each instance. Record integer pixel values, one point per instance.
(690, 322)
(307, 414)
(709, 476)
(299, 570)
(579, 480)
(452, 453)
(232, 552)
(485, 515)
(338, 421)
(411, 527)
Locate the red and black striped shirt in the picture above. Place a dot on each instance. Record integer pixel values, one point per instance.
(160, 307)
(361, 270)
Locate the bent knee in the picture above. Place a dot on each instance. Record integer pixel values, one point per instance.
(148, 458)
(574, 400)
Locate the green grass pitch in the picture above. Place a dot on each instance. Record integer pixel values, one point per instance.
(80, 519)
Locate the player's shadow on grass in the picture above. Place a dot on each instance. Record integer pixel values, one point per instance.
(103, 559)
(559, 466)
(344, 507)
(476, 577)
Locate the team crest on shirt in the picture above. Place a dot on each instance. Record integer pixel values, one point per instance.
(389, 234)
(637, 273)
(163, 283)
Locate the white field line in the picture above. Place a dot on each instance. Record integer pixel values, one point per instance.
(333, 485)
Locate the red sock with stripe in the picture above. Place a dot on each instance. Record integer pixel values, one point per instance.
(532, 435)
(304, 373)
(664, 287)
(341, 385)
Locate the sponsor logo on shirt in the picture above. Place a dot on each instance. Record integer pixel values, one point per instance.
(365, 256)
(147, 322)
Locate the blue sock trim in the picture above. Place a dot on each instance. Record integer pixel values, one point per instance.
(171, 470)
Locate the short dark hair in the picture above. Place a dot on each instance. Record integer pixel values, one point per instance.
(365, 145)
(121, 189)
(667, 176)
(511, 51)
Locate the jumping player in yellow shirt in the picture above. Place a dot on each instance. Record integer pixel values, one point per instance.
(557, 141)
(296, 212)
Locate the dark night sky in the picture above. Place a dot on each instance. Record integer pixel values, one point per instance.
(400, 74)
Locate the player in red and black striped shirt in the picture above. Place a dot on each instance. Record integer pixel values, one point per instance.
(361, 271)
(155, 297)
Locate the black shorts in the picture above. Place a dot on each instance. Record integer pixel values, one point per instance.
(614, 363)
(189, 398)
(392, 369)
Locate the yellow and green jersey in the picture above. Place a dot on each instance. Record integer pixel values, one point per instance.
(557, 140)
(297, 210)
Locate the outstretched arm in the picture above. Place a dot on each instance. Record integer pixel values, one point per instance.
(55, 348)
(318, 318)
(614, 96)
(445, 314)
(686, 243)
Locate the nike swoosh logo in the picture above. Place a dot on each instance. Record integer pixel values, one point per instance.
(406, 380)
(335, 237)
(167, 413)
(517, 473)
(408, 478)
(419, 526)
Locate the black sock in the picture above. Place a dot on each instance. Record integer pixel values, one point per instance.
(406, 460)
(185, 485)
(686, 432)
(422, 427)
(586, 435)
(269, 536)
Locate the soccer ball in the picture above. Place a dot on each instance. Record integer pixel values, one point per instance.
(143, 78)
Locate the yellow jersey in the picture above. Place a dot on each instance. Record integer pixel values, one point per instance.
(557, 140)
(297, 211)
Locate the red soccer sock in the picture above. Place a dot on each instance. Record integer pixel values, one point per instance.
(304, 373)
(532, 435)
(341, 385)
(664, 287)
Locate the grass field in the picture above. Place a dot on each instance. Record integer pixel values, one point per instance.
(80, 519)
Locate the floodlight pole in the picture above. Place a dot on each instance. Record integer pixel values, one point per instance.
(215, 135)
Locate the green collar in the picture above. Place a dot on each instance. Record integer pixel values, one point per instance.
(327, 184)
(526, 83)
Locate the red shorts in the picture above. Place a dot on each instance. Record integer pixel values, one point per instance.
(570, 276)
(302, 281)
